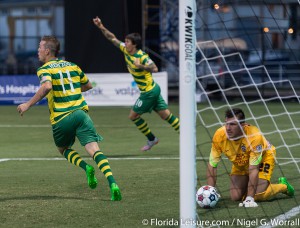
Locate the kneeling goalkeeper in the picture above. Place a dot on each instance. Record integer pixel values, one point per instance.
(253, 161)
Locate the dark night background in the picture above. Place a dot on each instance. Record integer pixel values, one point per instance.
(84, 43)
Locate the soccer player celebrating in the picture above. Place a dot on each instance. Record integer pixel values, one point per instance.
(62, 82)
(252, 157)
(141, 68)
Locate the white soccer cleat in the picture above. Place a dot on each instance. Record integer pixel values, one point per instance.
(150, 144)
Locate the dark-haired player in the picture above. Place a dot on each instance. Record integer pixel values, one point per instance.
(252, 158)
(141, 67)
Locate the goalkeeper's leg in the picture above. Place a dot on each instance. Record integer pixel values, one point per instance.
(238, 186)
(272, 190)
(265, 190)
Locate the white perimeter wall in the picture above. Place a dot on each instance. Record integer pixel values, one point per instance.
(119, 89)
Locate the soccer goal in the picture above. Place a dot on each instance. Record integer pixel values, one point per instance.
(246, 56)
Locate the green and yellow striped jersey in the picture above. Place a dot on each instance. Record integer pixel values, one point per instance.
(142, 78)
(65, 96)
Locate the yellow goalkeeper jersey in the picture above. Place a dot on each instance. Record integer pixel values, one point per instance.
(243, 152)
(65, 96)
(142, 78)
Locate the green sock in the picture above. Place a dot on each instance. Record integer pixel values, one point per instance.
(73, 157)
(143, 127)
(103, 165)
(174, 121)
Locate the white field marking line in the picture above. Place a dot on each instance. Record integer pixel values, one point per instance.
(289, 162)
(110, 158)
(61, 159)
(283, 218)
(49, 125)
(29, 125)
(24, 125)
(124, 158)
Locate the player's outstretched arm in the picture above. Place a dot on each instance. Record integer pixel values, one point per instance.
(40, 94)
(109, 35)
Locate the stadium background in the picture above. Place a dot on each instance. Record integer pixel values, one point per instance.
(40, 190)
(24, 22)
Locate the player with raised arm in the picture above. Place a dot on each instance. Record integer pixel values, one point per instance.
(62, 82)
(252, 157)
(141, 68)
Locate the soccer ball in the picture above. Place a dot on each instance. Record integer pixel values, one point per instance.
(207, 196)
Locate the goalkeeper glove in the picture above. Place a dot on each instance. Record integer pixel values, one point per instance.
(249, 202)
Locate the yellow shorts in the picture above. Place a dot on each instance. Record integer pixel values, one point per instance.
(266, 166)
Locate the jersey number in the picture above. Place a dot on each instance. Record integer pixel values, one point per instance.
(62, 81)
(138, 103)
(264, 167)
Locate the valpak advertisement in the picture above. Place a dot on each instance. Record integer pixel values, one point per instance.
(119, 89)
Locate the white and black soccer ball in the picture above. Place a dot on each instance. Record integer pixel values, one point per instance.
(207, 196)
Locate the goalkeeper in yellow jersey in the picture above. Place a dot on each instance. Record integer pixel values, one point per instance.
(141, 67)
(62, 82)
(252, 157)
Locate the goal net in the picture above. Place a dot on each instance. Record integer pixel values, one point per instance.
(273, 110)
(247, 56)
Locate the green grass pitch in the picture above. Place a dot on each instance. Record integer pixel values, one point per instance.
(54, 193)
(39, 188)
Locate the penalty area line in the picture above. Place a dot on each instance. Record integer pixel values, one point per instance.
(282, 219)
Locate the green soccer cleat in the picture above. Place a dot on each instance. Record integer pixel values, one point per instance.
(290, 188)
(115, 192)
(91, 179)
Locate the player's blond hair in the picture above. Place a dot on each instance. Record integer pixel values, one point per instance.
(52, 43)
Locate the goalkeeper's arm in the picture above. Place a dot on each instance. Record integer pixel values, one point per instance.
(253, 180)
(211, 175)
(252, 185)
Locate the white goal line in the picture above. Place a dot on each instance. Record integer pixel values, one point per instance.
(129, 158)
(49, 126)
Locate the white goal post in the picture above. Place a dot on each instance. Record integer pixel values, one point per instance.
(218, 70)
(187, 78)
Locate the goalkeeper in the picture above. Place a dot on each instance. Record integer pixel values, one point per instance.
(141, 68)
(253, 161)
